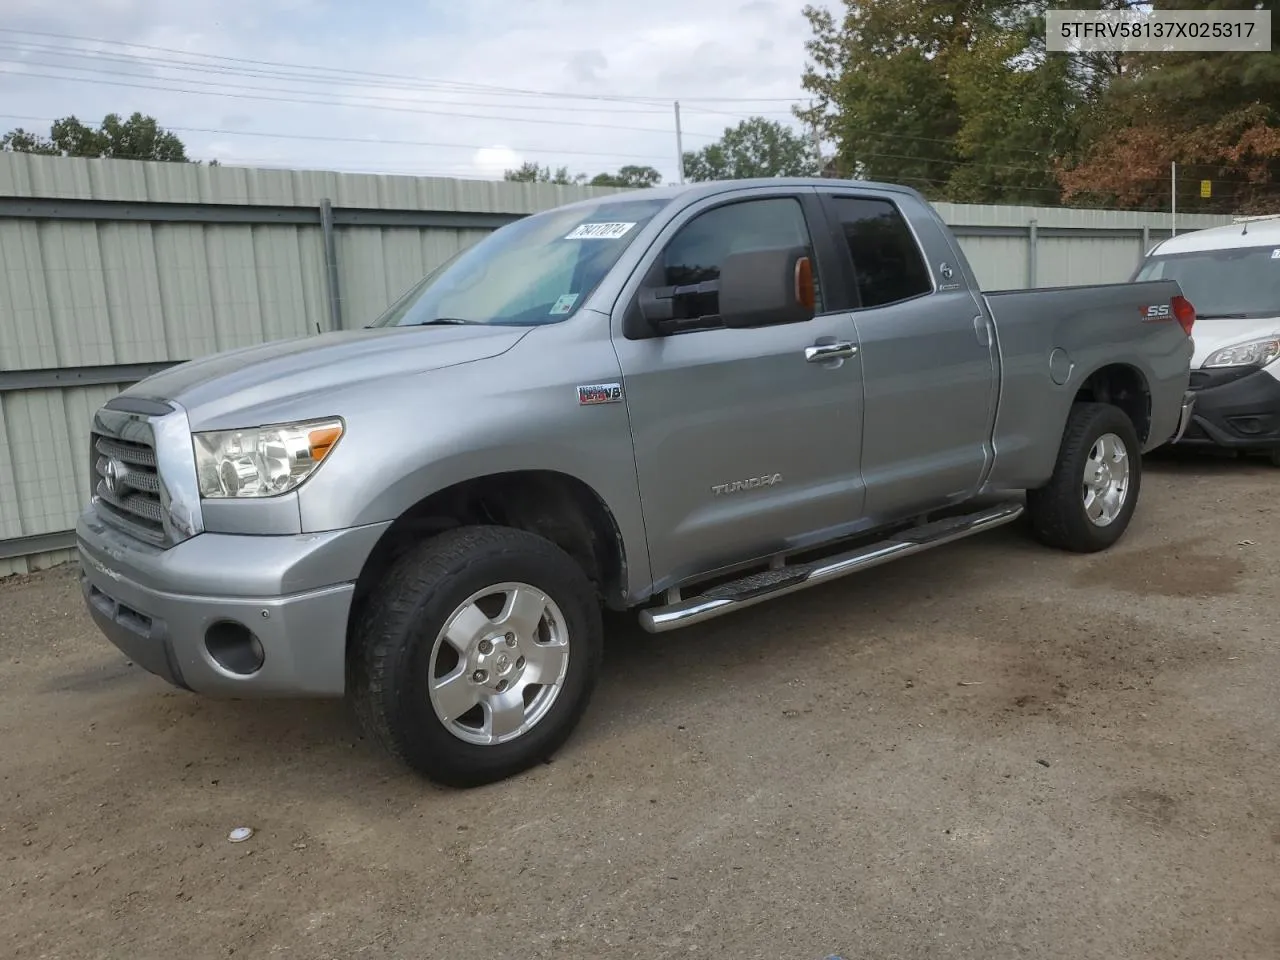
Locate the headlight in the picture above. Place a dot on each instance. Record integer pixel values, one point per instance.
(1254, 353)
(262, 461)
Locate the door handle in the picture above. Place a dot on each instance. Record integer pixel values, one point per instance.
(830, 351)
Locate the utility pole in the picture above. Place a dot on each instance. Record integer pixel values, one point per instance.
(817, 140)
(679, 145)
(1173, 197)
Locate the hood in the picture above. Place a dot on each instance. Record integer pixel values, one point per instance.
(288, 370)
(1211, 335)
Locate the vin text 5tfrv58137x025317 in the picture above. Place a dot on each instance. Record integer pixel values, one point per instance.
(677, 401)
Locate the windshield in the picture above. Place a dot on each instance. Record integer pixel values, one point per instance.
(1244, 282)
(537, 270)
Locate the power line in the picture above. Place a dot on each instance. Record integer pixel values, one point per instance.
(332, 103)
(219, 69)
(375, 141)
(460, 86)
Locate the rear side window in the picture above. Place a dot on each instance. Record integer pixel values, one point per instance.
(886, 259)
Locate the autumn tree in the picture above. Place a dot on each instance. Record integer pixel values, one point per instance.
(138, 138)
(757, 147)
(1216, 115)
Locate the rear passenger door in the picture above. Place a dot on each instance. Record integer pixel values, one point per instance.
(928, 357)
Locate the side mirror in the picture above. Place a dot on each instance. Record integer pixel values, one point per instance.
(647, 312)
(761, 288)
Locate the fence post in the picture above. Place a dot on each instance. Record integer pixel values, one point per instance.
(1033, 241)
(331, 264)
(1146, 240)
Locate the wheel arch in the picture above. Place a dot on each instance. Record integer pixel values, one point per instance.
(1122, 385)
(554, 505)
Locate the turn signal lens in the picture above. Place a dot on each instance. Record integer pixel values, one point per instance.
(804, 283)
(322, 440)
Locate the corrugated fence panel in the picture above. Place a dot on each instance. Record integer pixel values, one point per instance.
(362, 276)
(1063, 261)
(25, 339)
(79, 317)
(284, 307)
(999, 262)
(233, 285)
(10, 510)
(134, 307)
(43, 453)
(183, 269)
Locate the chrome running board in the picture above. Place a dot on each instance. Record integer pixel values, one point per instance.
(778, 582)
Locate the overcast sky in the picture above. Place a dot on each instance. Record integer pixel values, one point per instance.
(436, 60)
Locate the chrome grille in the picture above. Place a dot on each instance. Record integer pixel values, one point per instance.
(127, 487)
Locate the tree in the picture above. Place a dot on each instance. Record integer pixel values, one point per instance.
(958, 98)
(529, 172)
(756, 147)
(138, 138)
(1216, 115)
(627, 176)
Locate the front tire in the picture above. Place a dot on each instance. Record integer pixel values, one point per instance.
(477, 655)
(1088, 502)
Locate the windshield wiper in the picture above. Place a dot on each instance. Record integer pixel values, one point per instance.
(442, 322)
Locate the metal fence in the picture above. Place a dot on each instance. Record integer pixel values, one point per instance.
(111, 270)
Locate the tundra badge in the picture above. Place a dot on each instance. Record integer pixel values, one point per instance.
(737, 486)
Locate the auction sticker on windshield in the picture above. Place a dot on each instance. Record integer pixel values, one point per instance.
(564, 304)
(599, 231)
(1275, 254)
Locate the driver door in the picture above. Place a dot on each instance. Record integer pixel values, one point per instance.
(744, 446)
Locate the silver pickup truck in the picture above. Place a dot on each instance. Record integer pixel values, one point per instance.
(679, 401)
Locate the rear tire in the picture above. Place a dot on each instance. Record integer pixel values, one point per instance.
(1088, 502)
(477, 655)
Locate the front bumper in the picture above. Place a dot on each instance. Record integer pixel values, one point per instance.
(1234, 409)
(293, 593)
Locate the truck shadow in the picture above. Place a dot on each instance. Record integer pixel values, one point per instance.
(1207, 462)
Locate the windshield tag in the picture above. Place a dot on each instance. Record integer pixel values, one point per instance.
(564, 304)
(1275, 254)
(599, 231)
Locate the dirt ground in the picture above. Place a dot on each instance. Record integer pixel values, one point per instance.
(988, 751)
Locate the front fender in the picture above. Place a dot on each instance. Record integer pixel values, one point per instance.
(516, 412)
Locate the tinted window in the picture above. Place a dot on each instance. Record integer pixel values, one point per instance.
(885, 256)
(695, 254)
(1237, 282)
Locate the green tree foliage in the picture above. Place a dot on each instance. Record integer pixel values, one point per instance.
(756, 147)
(138, 138)
(532, 173)
(961, 99)
(628, 176)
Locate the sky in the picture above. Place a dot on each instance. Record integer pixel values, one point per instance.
(468, 87)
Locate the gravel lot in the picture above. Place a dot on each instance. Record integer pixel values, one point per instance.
(987, 751)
